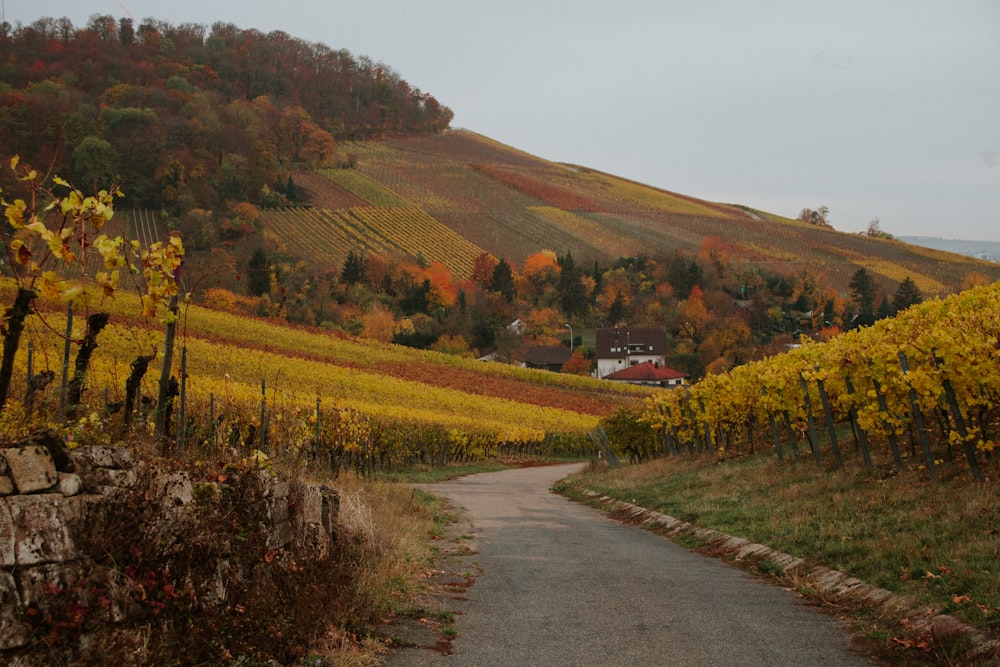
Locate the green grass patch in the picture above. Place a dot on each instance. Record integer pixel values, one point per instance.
(426, 474)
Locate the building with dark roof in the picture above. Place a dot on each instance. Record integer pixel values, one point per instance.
(547, 357)
(618, 348)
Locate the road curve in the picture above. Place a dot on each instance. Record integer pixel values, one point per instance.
(562, 584)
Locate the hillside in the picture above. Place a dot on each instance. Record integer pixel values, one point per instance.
(315, 187)
(197, 120)
(190, 116)
(511, 204)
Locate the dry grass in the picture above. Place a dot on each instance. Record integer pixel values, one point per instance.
(389, 526)
(387, 531)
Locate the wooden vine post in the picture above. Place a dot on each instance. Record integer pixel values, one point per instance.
(791, 435)
(14, 327)
(164, 384)
(813, 440)
(831, 428)
(918, 418)
(862, 436)
(890, 429)
(74, 394)
(66, 351)
(956, 414)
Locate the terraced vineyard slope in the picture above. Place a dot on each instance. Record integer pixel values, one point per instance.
(450, 196)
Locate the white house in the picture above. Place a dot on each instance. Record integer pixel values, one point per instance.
(619, 348)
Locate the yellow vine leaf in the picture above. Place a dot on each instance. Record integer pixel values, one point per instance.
(21, 252)
(148, 305)
(50, 286)
(15, 213)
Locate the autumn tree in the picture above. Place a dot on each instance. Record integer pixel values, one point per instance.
(577, 364)
(301, 140)
(714, 253)
(820, 217)
(443, 291)
(694, 316)
(541, 270)
(482, 270)
(378, 323)
(454, 345)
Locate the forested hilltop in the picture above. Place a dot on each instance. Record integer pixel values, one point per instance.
(189, 116)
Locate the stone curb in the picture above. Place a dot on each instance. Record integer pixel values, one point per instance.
(827, 583)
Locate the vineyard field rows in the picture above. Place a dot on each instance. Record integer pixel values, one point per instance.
(494, 196)
(428, 396)
(327, 236)
(375, 194)
(930, 375)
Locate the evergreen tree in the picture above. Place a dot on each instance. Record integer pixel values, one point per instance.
(259, 273)
(290, 190)
(885, 309)
(683, 274)
(416, 297)
(907, 294)
(863, 293)
(617, 313)
(598, 283)
(353, 272)
(572, 293)
(503, 280)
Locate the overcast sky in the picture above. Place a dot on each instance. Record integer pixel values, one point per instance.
(873, 108)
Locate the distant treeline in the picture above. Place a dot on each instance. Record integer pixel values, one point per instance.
(188, 116)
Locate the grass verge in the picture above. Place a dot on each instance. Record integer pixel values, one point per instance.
(427, 474)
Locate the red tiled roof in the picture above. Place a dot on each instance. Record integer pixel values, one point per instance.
(647, 372)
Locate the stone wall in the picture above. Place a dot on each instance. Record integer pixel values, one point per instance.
(47, 492)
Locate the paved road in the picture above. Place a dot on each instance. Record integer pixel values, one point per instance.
(562, 584)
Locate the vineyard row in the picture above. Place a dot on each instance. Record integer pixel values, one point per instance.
(328, 235)
(932, 374)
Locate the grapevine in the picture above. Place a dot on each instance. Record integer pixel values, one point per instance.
(938, 361)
